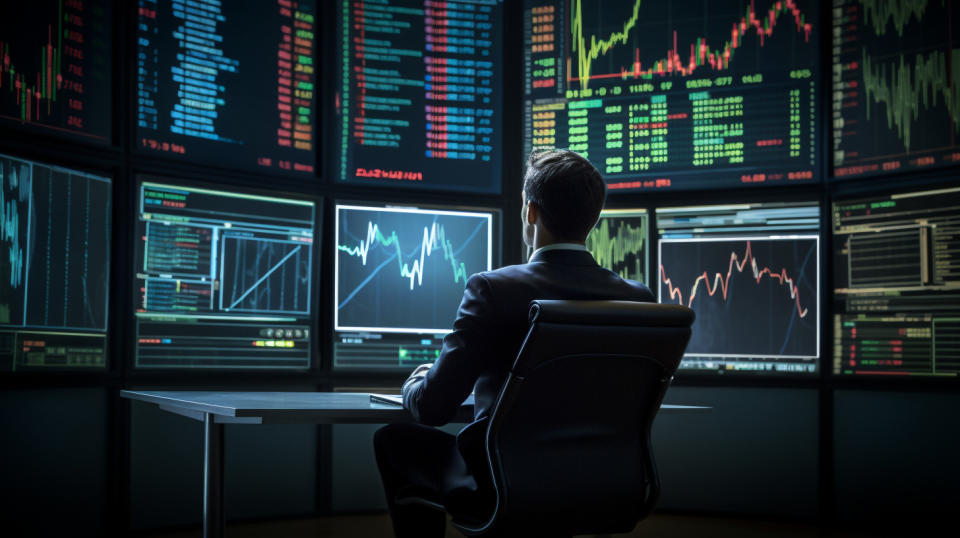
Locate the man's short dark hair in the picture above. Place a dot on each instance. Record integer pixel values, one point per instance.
(568, 189)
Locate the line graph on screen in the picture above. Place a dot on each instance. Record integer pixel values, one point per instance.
(587, 48)
(404, 270)
(753, 296)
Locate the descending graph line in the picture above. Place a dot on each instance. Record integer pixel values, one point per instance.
(611, 246)
(48, 81)
(432, 238)
(721, 282)
(701, 54)
(265, 276)
(905, 89)
(880, 13)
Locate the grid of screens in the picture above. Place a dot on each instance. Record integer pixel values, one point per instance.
(419, 94)
(55, 240)
(399, 278)
(896, 86)
(676, 95)
(55, 66)
(619, 242)
(752, 275)
(897, 278)
(224, 279)
(228, 83)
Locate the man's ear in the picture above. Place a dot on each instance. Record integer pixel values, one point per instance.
(533, 213)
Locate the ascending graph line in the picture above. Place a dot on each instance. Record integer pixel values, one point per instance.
(701, 54)
(722, 282)
(265, 276)
(432, 237)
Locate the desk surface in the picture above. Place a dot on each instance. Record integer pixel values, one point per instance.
(301, 407)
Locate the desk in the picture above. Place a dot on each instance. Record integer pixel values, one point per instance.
(216, 408)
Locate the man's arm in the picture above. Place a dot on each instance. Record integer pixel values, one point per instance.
(434, 398)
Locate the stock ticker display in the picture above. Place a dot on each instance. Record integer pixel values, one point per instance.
(228, 83)
(420, 90)
(896, 86)
(619, 242)
(897, 284)
(55, 237)
(399, 279)
(751, 273)
(55, 66)
(676, 95)
(223, 279)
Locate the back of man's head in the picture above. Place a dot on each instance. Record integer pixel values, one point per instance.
(568, 190)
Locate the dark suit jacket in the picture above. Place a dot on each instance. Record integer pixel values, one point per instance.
(493, 321)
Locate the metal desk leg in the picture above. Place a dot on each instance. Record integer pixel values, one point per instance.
(213, 520)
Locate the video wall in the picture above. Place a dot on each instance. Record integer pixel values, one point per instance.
(311, 184)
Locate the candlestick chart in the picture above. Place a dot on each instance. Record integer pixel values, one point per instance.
(619, 243)
(754, 297)
(896, 80)
(404, 270)
(55, 67)
(676, 95)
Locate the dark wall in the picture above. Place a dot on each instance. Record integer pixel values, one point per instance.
(53, 462)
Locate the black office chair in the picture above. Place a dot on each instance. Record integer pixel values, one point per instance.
(568, 443)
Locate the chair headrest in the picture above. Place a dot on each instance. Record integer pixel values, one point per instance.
(622, 313)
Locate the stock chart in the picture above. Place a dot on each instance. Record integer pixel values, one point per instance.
(676, 95)
(619, 242)
(55, 238)
(896, 86)
(400, 276)
(751, 274)
(419, 96)
(896, 284)
(55, 67)
(228, 84)
(223, 279)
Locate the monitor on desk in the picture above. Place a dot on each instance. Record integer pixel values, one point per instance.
(400, 273)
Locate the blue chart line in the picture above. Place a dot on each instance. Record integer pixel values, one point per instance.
(264, 277)
(793, 313)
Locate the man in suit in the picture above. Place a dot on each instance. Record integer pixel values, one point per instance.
(562, 198)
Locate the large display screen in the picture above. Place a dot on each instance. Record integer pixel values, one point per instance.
(400, 273)
(751, 273)
(420, 93)
(619, 242)
(676, 95)
(229, 84)
(896, 86)
(56, 67)
(223, 279)
(897, 284)
(54, 292)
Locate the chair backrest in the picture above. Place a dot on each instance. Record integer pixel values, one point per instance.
(569, 437)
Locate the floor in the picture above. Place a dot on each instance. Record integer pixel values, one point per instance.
(656, 526)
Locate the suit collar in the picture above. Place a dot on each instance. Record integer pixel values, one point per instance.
(564, 257)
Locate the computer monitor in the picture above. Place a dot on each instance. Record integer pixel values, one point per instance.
(896, 284)
(619, 242)
(751, 272)
(676, 95)
(224, 278)
(419, 94)
(896, 87)
(54, 291)
(400, 273)
(230, 84)
(56, 67)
